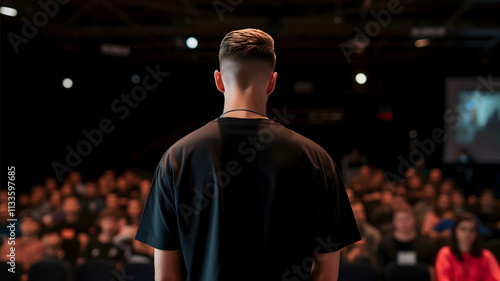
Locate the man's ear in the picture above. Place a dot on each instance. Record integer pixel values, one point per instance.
(272, 83)
(218, 81)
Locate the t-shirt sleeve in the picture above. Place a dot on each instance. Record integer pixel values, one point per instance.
(337, 225)
(158, 226)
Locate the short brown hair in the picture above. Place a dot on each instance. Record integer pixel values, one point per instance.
(246, 45)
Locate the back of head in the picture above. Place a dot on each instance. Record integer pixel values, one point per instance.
(247, 45)
(245, 53)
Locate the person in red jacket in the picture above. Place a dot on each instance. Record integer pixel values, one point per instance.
(465, 259)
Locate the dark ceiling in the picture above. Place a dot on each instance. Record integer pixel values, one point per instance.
(305, 31)
(320, 43)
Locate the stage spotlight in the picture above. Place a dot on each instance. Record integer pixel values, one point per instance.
(422, 43)
(67, 83)
(361, 78)
(192, 43)
(11, 12)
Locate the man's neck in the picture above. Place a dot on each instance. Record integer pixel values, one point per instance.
(244, 104)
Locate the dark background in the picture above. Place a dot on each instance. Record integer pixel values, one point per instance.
(39, 117)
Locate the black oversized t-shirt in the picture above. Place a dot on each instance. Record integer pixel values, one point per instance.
(247, 199)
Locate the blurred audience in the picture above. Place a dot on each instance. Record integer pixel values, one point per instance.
(404, 222)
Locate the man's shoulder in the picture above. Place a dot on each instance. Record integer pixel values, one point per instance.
(198, 137)
(209, 134)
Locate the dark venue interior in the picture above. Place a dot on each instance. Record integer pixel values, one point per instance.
(403, 95)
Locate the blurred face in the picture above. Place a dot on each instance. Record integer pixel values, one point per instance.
(446, 187)
(435, 175)
(37, 195)
(55, 199)
(410, 173)
(121, 183)
(487, 199)
(66, 190)
(134, 208)
(429, 191)
(386, 197)
(378, 178)
(51, 242)
(414, 183)
(144, 187)
(359, 212)
(364, 171)
(457, 199)
(91, 190)
(112, 200)
(443, 202)
(404, 222)
(71, 205)
(50, 184)
(24, 199)
(108, 225)
(466, 233)
(75, 177)
(29, 227)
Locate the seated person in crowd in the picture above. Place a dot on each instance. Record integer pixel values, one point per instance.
(414, 185)
(363, 251)
(426, 202)
(101, 245)
(38, 202)
(406, 246)
(458, 201)
(431, 219)
(55, 214)
(488, 212)
(383, 214)
(53, 253)
(74, 229)
(465, 259)
(135, 251)
(28, 247)
(92, 203)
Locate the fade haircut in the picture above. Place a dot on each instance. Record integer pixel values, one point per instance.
(247, 45)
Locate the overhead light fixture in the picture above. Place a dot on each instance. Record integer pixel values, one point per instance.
(6, 11)
(428, 31)
(67, 83)
(192, 42)
(422, 43)
(361, 78)
(115, 50)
